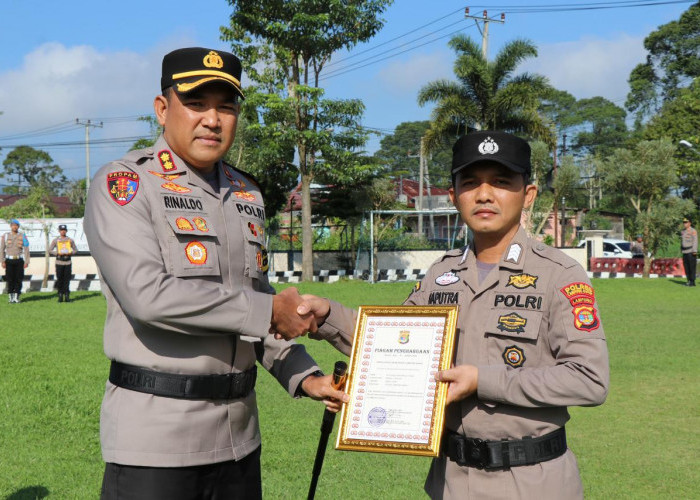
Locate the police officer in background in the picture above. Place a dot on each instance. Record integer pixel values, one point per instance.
(14, 247)
(177, 235)
(529, 337)
(689, 250)
(63, 248)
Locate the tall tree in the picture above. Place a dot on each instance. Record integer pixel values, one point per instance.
(35, 168)
(398, 153)
(673, 58)
(600, 125)
(284, 46)
(487, 95)
(646, 175)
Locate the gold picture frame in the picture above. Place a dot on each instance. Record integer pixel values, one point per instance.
(395, 404)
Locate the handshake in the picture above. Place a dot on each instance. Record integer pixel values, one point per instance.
(294, 315)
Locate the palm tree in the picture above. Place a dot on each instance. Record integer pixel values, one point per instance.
(487, 95)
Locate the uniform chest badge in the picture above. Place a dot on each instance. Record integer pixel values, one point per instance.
(262, 260)
(512, 322)
(183, 224)
(122, 186)
(447, 278)
(256, 229)
(196, 253)
(201, 224)
(521, 281)
(166, 161)
(514, 356)
(244, 195)
(167, 177)
(176, 188)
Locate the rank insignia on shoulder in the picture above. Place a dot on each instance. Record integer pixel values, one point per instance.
(416, 287)
(514, 252)
(514, 356)
(201, 224)
(447, 278)
(512, 322)
(166, 161)
(184, 224)
(171, 186)
(522, 280)
(196, 253)
(122, 186)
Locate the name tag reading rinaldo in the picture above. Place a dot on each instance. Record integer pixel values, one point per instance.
(396, 406)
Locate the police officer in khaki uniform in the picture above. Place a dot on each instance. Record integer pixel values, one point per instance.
(63, 248)
(14, 249)
(689, 250)
(529, 340)
(178, 238)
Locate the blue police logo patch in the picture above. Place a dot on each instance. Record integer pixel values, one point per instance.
(514, 356)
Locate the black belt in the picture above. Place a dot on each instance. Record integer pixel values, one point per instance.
(173, 385)
(10, 257)
(470, 452)
(63, 257)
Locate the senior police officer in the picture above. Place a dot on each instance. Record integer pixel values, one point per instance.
(63, 248)
(178, 238)
(529, 341)
(689, 250)
(14, 250)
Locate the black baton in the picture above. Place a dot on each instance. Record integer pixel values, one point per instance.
(339, 371)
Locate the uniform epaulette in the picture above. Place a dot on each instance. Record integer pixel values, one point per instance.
(553, 254)
(243, 173)
(138, 155)
(455, 252)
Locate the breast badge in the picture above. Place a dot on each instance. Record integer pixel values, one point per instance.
(183, 224)
(201, 224)
(122, 186)
(255, 229)
(166, 161)
(447, 278)
(262, 260)
(196, 253)
(514, 356)
(167, 177)
(522, 280)
(244, 195)
(512, 322)
(176, 188)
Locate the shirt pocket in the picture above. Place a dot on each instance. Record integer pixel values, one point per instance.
(256, 257)
(512, 337)
(192, 247)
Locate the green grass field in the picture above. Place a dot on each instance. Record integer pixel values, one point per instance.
(643, 443)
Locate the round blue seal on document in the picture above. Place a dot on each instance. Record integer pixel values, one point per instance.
(376, 416)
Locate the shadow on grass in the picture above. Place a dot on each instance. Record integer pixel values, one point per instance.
(679, 281)
(75, 296)
(29, 493)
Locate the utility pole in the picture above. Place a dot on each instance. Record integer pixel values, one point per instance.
(485, 32)
(87, 124)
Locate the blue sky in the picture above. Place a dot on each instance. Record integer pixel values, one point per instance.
(101, 61)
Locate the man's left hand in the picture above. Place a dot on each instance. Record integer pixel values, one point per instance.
(463, 381)
(320, 389)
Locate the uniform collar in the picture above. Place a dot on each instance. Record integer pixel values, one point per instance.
(514, 255)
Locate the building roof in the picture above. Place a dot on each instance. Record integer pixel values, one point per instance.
(62, 204)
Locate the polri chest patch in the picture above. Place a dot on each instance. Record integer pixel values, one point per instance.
(122, 186)
(514, 356)
(513, 323)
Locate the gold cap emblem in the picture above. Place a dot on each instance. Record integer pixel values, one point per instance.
(213, 60)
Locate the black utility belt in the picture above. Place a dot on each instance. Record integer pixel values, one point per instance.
(10, 257)
(173, 385)
(63, 257)
(470, 452)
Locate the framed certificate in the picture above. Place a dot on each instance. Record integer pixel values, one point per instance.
(396, 406)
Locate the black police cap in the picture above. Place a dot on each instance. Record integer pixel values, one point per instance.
(187, 69)
(491, 145)
(62, 227)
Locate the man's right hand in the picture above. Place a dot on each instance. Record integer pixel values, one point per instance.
(286, 322)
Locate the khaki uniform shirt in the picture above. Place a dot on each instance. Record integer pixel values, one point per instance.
(689, 240)
(183, 270)
(63, 249)
(533, 329)
(12, 246)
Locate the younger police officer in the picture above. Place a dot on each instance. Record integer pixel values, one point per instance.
(14, 251)
(63, 248)
(529, 337)
(689, 250)
(178, 238)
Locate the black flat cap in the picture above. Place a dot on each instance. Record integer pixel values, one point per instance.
(62, 227)
(491, 145)
(187, 69)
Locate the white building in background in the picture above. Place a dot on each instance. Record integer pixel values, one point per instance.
(34, 229)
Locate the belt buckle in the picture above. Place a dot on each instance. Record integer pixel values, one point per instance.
(475, 452)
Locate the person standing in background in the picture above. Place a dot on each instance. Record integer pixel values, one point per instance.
(14, 247)
(63, 248)
(689, 249)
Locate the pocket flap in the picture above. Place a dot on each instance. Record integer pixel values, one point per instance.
(514, 323)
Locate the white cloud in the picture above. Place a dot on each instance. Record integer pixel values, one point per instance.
(591, 66)
(408, 76)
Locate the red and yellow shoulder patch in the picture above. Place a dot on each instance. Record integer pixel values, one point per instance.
(122, 186)
(582, 298)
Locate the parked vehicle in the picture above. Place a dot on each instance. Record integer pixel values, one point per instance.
(617, 249)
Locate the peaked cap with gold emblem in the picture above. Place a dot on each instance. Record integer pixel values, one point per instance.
(187, 69)
(491, 145)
